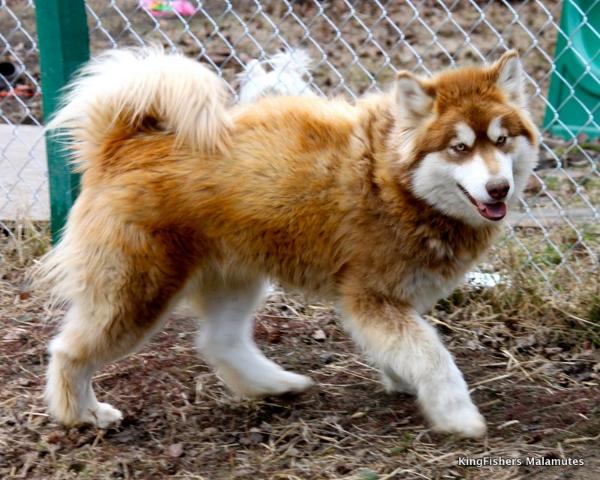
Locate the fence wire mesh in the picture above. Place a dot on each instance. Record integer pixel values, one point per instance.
(357, 47)
(23, 178)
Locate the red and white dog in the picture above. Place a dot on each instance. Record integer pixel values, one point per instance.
(380, 206)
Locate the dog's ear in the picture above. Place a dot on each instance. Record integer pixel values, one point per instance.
(413, 98)
(508, 75)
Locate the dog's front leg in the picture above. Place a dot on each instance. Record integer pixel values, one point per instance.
(408, 348)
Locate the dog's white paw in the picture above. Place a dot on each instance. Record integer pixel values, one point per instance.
(287, 382)
(463, 419)
(102, 415)
(277, 382)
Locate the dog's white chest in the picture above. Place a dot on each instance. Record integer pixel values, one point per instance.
(424, 288)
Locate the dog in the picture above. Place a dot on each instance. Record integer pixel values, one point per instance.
(287, 74)
(379, 206)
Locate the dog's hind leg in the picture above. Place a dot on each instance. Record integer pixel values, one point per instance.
(226, 340)
(119, 294)
(75, 354)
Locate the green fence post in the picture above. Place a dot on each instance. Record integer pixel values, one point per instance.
(64, 45)
(574, 88)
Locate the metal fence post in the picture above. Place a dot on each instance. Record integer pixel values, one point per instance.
(64, 46)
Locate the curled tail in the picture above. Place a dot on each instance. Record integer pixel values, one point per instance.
(123, 91)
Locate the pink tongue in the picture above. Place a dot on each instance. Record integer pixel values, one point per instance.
(492, 211)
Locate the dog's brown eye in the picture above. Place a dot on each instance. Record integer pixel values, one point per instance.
(501, 140)
(460, 147)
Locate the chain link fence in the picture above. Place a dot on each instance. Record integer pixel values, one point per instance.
(357, 47)
(23, 178)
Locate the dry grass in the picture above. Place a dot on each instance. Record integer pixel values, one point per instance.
(529, 354)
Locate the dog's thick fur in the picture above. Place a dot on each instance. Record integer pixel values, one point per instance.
(184, 197)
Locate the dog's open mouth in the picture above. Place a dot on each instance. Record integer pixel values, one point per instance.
(491, 211)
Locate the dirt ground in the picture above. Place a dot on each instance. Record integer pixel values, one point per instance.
(529, 348)
(530, 355)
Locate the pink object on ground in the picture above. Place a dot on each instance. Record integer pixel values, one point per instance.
(168, 8)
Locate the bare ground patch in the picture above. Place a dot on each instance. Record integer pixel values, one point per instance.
(530, 357)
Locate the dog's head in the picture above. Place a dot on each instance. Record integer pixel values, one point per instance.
(467, 138)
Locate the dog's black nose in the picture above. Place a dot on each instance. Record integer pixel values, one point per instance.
(498, 189)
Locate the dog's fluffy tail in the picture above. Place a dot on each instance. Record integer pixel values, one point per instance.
(122, 92)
